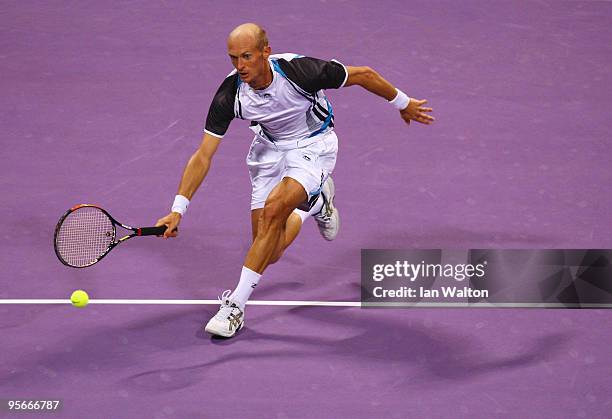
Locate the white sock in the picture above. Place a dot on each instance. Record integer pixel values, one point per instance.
(248, 282)
(315, 209)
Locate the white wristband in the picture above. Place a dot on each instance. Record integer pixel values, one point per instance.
(180, 204)
(401, 100)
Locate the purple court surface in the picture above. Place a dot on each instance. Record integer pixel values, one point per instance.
(104, 102)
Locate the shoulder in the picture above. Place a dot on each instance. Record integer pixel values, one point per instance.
(287, 56)
(226, 92)
(296, 62)
(311, 73)
(231, 82)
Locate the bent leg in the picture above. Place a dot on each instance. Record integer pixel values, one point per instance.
(292, 229)
(271, 232)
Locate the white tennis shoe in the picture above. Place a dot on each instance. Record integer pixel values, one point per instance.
(328, 219)
(228, 320)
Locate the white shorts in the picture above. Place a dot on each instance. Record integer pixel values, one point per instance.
(309, 165)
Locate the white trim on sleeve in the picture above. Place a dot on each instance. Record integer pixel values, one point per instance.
(213, 134)
(345, 70)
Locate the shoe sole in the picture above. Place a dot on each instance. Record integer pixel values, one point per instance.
(332, 187)
(214, 333)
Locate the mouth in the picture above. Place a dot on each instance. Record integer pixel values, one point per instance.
(243, 75)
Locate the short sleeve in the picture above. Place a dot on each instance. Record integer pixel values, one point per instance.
(221, 111)
(313, 74)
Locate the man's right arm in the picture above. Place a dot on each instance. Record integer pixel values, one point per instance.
(198, 166)
(193, 175)
(220, 115)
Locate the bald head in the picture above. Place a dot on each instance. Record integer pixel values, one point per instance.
(248, 33)
(248, 48)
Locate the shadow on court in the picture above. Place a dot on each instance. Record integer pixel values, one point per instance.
(151, 354)
(427, 355)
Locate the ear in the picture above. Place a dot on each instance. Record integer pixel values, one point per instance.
(267, 51)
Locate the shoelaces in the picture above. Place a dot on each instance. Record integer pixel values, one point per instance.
(225, 309)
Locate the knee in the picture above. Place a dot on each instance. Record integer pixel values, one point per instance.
(275, 212)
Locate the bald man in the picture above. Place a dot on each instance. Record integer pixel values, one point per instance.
(292, 154)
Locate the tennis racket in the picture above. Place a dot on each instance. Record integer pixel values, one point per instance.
(86, 233)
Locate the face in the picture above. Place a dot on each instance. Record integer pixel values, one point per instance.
(250, 62)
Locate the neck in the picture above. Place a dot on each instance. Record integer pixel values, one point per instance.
(265, 82)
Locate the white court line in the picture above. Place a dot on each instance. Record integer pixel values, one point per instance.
(317, 303)
(187, 302)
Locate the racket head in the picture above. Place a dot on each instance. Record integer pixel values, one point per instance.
(84, 235)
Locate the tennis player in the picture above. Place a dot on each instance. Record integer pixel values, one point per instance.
(292, 154)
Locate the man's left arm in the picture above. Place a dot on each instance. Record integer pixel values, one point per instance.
(370, 80)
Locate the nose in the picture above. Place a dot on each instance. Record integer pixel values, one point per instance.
(240, 64)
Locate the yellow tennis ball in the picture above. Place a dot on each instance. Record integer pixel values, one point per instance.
(79, 298)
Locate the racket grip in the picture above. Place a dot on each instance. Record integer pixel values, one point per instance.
(152, 231)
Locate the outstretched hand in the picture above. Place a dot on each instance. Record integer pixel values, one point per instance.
(171, 221)
(415, 111)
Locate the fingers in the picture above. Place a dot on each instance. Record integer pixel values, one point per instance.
(420, 113)
(424, 118)
(416, 112)
(421, 118)
(421, 109)
(171, 231)
(171, 222)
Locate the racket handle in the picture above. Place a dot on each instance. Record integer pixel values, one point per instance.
(152, 231)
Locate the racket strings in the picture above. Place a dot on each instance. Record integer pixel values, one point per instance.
(84, 236)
